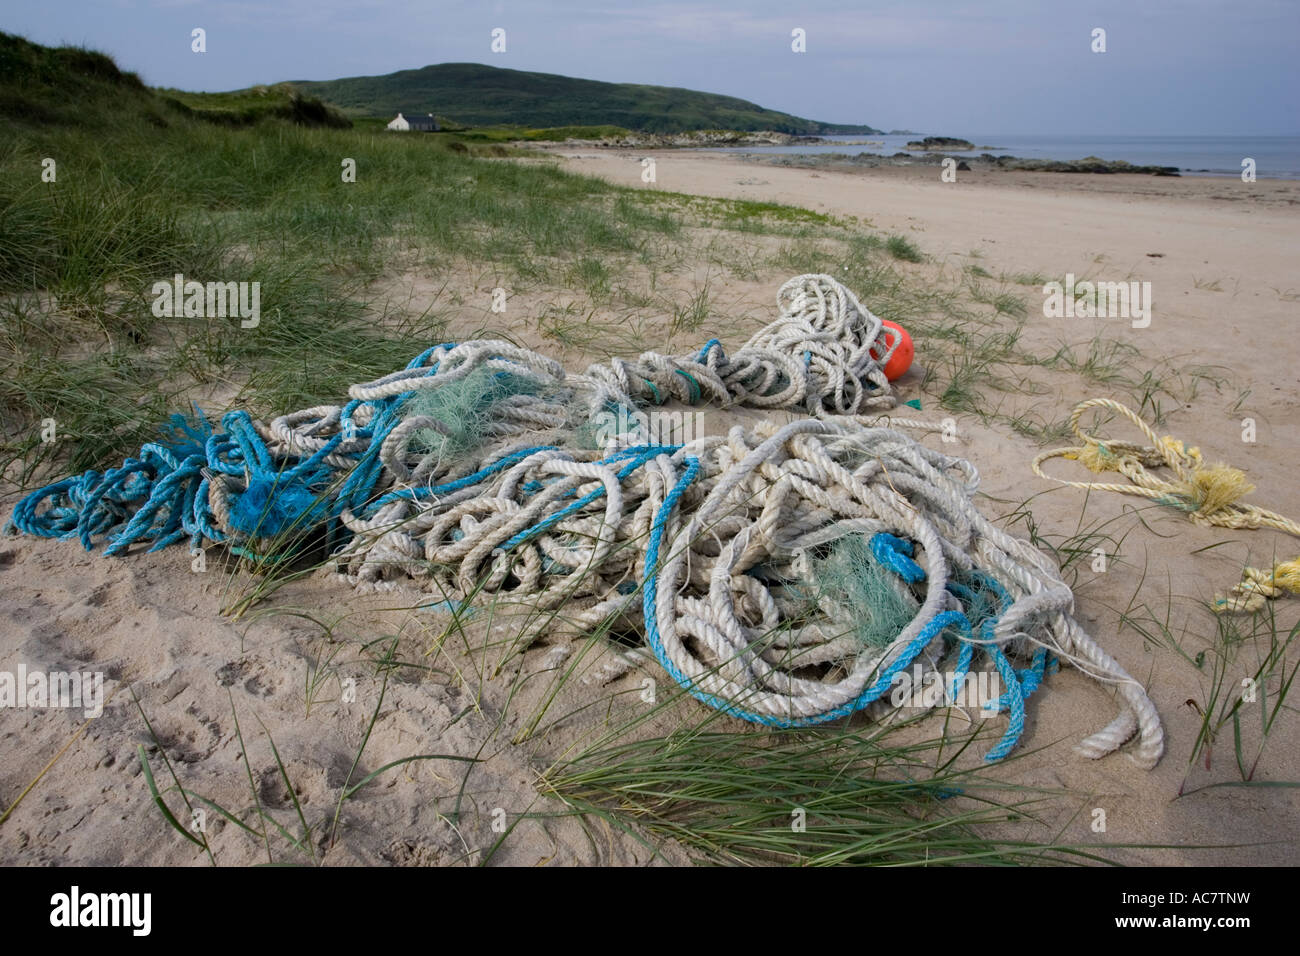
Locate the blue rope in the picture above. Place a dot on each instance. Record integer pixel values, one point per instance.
(160, 496)
(709, 346)
(1020, 684)
(1013, 697)
(895, 554)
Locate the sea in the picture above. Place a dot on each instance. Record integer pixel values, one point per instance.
(1276, 157)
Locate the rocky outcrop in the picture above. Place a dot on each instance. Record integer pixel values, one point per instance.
(1089, 164)
(708, 137)
(937, 144)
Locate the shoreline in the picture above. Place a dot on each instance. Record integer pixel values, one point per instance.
(966, 160)
(1277, 193)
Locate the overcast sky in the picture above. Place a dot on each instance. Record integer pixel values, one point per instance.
(960, 68)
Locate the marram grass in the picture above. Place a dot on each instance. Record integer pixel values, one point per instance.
(860, 796)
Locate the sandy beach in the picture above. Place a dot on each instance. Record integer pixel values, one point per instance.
(1221, 258)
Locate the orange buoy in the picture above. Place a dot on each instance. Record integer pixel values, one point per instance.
(901, 359)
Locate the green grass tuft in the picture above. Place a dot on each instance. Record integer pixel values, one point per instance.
(902, 248)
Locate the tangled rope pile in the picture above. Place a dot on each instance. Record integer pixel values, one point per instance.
(1209, 494)
(706, 544)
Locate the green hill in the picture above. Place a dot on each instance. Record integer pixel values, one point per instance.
(477, 95)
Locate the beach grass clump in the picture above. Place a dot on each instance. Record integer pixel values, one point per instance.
(856, 796)
(900, 247)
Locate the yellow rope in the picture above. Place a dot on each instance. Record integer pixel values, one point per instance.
(1258, 586)
(1209, 494)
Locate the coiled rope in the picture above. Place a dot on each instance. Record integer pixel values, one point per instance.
(705, 545)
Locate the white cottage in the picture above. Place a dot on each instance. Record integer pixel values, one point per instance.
(406, 122)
